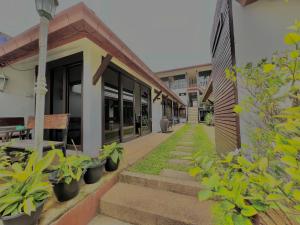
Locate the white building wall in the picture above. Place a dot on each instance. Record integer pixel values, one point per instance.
(17, 100)
(259, 31)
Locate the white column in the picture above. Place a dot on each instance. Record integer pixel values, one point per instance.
(40, 88)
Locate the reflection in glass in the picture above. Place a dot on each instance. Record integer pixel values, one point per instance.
(145, 99)
(112, 109)
(128, 109)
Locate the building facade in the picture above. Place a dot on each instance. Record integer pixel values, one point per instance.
(109, 93)
(189, 84)
(243, 31)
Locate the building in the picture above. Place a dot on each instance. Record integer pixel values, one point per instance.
(110, 94)
(189, 84)
(243, 31)
(4, 38)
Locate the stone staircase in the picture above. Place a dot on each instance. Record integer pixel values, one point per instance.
(156, 200)
(193, 115)
(165, 199)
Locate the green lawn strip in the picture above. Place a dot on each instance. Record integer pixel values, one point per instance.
(202, 142)
(157, 160)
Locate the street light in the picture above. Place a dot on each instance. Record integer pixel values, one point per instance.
(46, 10)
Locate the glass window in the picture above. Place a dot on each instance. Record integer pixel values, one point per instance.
(111, 105)
(145, 100)
(128, 107)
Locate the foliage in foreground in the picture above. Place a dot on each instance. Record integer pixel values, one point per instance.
(265, 173)
(23, 189)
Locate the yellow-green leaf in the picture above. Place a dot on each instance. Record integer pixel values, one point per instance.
(292, 38)
(269, 68)
(29, 206)
(237, 109)
(249, 211)
(204, 195)
(296, 194)
(263, 164)
(294, 54)
(290, 160)
(273, 197)
(195, 171)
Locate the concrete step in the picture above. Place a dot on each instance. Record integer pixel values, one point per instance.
(141, 205)
(166, 182)
(105, 220)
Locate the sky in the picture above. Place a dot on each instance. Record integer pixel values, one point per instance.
(165, 34)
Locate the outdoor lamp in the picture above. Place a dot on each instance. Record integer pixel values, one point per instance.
(46, 8)
(3, 81)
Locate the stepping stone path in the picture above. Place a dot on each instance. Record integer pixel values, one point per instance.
(182, 162)
(181, 154)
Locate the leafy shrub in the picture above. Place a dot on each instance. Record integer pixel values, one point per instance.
(113, 151)
(265, 173)
(209, 119)
(69, 168)
(22, 189)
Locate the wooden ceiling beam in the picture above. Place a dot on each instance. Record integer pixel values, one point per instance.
(104, 64)
(157, 96)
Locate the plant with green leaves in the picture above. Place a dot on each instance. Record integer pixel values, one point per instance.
(209, 119)
(5, 160)
(113, 151)
(264, 174)
(69, 168)
(23, 189)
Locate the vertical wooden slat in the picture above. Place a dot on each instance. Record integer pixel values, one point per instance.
(225, 92)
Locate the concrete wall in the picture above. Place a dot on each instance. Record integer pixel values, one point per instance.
(259, 30)
(17, 100)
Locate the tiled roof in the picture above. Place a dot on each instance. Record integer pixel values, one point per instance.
(72, 24)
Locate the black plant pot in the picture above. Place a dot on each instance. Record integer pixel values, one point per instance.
(110, 165)
(93, 173)
(23, 218)
(65, 192)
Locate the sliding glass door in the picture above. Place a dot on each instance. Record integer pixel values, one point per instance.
(128, 107)
(111, 106)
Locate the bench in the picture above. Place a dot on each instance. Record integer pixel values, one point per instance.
(12, 127)
(53, 122)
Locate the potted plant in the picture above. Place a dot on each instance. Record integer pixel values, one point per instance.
(112, 154)
(25, 190)
(66, 176)
(94, 170)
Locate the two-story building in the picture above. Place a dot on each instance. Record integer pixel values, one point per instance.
(189, 84)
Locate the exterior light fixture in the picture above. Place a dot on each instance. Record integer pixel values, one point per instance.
(46, 10)
(3, 81)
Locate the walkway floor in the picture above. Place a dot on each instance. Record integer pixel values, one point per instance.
(167, 198)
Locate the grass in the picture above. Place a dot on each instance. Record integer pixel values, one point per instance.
(157, 160)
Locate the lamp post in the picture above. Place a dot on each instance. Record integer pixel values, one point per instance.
(46, 10)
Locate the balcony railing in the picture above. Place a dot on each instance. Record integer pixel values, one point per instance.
(179, 84)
